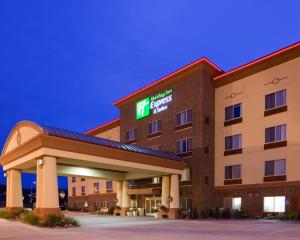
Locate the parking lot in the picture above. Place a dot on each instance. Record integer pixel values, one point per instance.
(108, 227)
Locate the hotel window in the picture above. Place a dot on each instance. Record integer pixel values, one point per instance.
(156, 180)
(184, 145)
(185, 204)
(274, 204)
(109, 185)
(73, 179)
(275, 168)
(233, 112)
(233, 142)
(82, 190)
(131, 134)
(105, 204)
(131, 183)
(184, 117)
(187, 174)
(73, 191)
(275, 134)
(233, 203)
(154, 127)
(233, 172)
(82, 179)
(96, 187)
(275, 100)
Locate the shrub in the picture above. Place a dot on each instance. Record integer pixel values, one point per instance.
(10, 215)
(217, 213)
(30, 218)
(239, 214)
(68, 221)
(111, 210)
(205, 213)
(53, 220)
(226, 213)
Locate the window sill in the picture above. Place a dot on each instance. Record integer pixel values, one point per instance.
(275, 144)
(275, 110)
(96, 191)
(232, 181)
(234, 151)
(153, 135)
(185, 183)
(275, 178)
(185, 154)
(183, 126)
(109, 190)
(233, 121)
(130, 141)
(82, 194)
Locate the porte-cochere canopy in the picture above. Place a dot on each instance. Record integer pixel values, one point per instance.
(28, 141)
(49, 151)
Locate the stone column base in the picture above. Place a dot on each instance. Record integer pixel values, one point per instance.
(174, 213)
(123, 211)
(13, 209)
(44, 212)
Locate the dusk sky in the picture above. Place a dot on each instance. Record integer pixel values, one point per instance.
(63, 63)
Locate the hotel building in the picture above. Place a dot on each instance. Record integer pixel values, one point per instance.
(237, 131)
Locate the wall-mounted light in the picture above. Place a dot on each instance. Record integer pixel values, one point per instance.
(4, 174)
(170, 199)
(41, 162)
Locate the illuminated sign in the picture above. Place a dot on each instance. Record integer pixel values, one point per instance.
(153, 104)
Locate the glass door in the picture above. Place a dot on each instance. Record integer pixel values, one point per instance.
(151, 204)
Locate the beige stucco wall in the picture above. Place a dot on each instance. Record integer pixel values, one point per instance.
(252, 91)
(112, 134)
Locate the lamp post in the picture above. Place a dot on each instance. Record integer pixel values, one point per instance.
(31, 194)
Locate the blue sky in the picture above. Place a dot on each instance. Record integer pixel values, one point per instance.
(64, 63)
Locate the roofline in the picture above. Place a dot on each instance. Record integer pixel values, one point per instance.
(202, 59)
(104, 125)
(258, 60)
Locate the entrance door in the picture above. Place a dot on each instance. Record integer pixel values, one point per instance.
(151, 204)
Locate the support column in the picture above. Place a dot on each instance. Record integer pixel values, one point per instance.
(174, 194)
(47, 187)
(125, 198)
(165, 191)
(14, 197)
(119, 193)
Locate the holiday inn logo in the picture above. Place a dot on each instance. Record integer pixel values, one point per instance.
(154, 104)
(143, 108)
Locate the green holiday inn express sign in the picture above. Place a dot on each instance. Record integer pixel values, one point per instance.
(153, 104)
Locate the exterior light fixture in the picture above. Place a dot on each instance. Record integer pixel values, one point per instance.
(170, 199)
(4, 174)
(41, 162)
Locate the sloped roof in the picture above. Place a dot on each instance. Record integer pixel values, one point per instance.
(59, 132)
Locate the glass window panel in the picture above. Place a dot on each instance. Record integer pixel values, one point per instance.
(228, 172)
(228, 143)
(269, 204)
(236, 172)
(279, 204)
(281, 98)
(178, 119)
(237, 143)
(189, 145)
(280, 167)
(270, 101)
(270, 134)
(183, 117)
(228, 113)
(237, 111)
(269, 168)
(281, 132)
(236, 203)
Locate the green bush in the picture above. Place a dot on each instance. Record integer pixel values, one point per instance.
(239, 214)
(30, 218)
(57, 220)
(226, 213)
(111, 210)
(68, 221)
(10, 215)
(217, 213)
(53, 220)
(205, 213)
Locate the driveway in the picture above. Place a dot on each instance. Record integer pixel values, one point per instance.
(136, 228)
